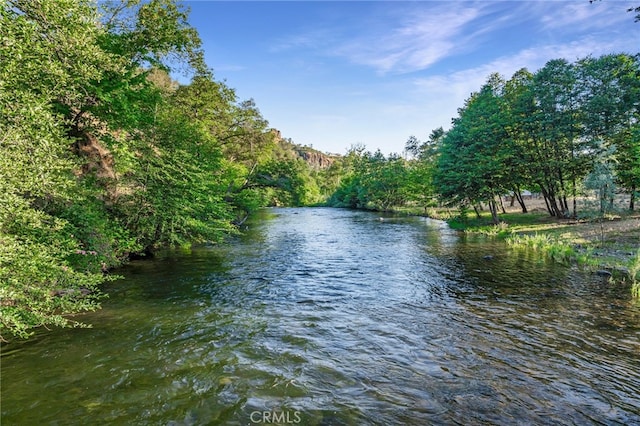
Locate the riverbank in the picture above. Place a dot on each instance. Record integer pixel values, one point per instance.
(610, 246)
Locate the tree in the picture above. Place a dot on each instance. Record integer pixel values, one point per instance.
(174, 193)
(149, 34)
(48, 53)
(562, 118)
(473, 153)
(612, 113)
(286, 182)
(372, 181)
(601, 181)
(94, 162)
(421, 168)
(385, 182)
(556, 92)
(627, 161)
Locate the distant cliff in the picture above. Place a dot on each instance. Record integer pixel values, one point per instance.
(317, 160)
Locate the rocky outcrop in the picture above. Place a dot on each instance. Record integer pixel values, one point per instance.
(316, 159)
(97, 159)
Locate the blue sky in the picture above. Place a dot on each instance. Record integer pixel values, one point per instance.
(331, 74)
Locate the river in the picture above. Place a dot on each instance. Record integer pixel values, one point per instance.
(321, 316)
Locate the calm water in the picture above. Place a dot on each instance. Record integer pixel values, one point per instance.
(335, 317)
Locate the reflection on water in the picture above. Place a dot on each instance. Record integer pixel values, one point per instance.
(331, 317)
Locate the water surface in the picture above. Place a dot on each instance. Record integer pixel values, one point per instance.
(336, 317)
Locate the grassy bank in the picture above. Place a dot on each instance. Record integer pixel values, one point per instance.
(611, 244)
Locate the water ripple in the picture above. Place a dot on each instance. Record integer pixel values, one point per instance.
(346, 320)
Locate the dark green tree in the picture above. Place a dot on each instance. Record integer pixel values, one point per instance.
(49, 54)
(471, 162)
(94, 162)
(421, 167)
(611, 89)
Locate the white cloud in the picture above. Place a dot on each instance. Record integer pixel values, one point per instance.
(584, 15)
(412, 40)
(416, 42)
(401, 38)
(468, 80)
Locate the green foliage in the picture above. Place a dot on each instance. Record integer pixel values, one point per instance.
(373, 181)
(42, 275)
(634, 267)
(634, 274)
(545, 244)
(542, 131)
(328, 180)
(288, 181)
(463, 214)
(173, 196)
(104, 236)
(102, 155)
(419, 183)
(150, 33)
(473, 154)
(96, 162)
(422, 167)
(39, 286)
(635, 289)
(601, 181)
(45, 272)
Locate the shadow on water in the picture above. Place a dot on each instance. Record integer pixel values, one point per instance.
(331, 317)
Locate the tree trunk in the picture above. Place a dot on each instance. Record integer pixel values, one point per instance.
(575, 210)
(545, 195)
(563, 199)
(552, 203)
(494, 211)
(475, 209)
(553, 200)
(546, 202)
(632, 200)
(557, 211)
(555, 208)
(611, 200)
(549, 192)
(518, 196)
(502, 206)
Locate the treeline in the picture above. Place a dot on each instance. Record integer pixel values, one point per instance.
(563, 131)
(103, 155)
(373, 181)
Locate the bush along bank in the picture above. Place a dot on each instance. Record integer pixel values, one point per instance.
(610, 250)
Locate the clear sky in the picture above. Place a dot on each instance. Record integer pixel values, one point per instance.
(331, 74)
